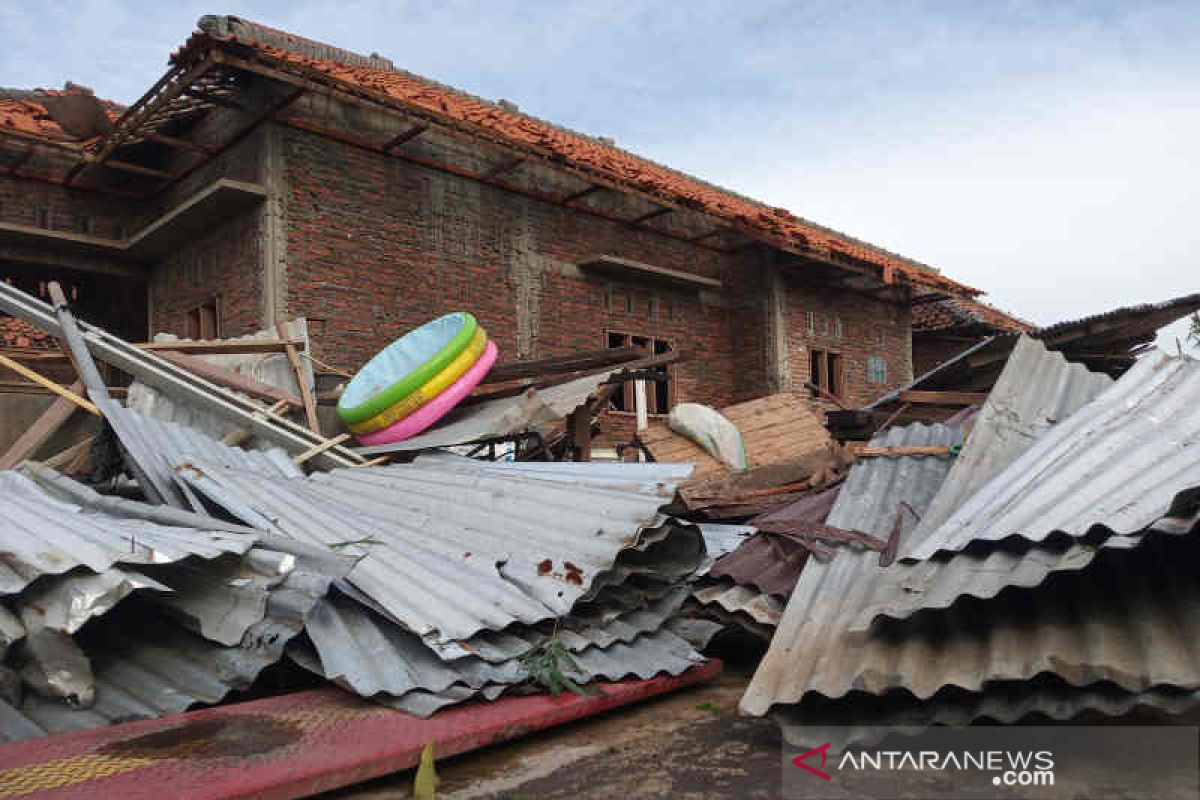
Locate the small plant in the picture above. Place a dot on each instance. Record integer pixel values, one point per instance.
(550, 665)
(709, 708)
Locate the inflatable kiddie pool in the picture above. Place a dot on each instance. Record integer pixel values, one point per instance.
(436, 385)
(404, 366)
(438, 407)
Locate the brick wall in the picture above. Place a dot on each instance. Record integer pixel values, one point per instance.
(868, 327)
(223, 264)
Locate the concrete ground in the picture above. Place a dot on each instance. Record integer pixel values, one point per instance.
(688, 744)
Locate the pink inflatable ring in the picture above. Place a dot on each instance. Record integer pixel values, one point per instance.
(438, 407)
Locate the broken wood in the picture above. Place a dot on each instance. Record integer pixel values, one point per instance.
(232, 380)
(580, 426)
(944, 398)
(374, 462)
(217, 347)
(70, 454)
(884, 452)
(824, 395)
(41, 430)
(310, 404)
(242, 435)
(514, 388)
(591, 359)
(321, 448)
(46, 383)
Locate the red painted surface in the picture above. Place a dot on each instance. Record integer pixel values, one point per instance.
(306, 742)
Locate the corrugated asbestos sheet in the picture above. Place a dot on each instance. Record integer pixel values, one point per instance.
(803, 653)
(42, 535)
(1037, 389)
(1119, 462)
(735, 600)
(535, 410)
(1130, 618)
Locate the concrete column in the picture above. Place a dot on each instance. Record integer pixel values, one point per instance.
(273, 227)
(779, 373)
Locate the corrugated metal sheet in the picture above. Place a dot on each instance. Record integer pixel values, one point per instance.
(1130, 618)
(161, 445)
(868, 719)
(1037, 389)
(771, 564)
(1118, 462)
(271, 368)
(42, 535)
(536, 410)
(763, 609)
(480, 551)
(721, 539)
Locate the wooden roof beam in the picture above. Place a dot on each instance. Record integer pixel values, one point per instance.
(582, 193)
(655, 214)
(179, 144)
(403, 137)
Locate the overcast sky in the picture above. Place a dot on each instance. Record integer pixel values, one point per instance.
(1045, 152)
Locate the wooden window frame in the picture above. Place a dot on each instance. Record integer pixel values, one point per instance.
(827, 369)
(626, 394)
(199, 326)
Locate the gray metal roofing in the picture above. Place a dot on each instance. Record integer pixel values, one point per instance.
(534, 410)
(479, 550)
(161, 445)
(43, 535)
(1037, 389)
(735, 599)
(1130, 618)
(1118, 462)
(866, 719)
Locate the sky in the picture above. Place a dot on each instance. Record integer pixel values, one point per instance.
(1044, 152)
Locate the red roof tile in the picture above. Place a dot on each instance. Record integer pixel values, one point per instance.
(20, 112)
(585, 153)
(964, 312)
(19, 333)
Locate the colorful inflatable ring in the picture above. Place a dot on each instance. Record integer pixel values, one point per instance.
(438, 407)
(404, 366)
(438, 384)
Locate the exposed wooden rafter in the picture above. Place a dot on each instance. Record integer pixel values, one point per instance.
(404, 137)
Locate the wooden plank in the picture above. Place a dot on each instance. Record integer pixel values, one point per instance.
(70, 454)
(574, 362)
(224, 347)
(41, 430)
(310, 403)
(232, 380)
(321, 448)
(513, 388)
(895, 452)
(46, 383)
(944, 398)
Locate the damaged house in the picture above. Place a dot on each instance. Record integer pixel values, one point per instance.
(264, 175)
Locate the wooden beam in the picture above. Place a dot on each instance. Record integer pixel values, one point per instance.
(895, 452)
(179, 144)
(224, 346)
(310, 403)
(46, 383)
(655, 214)
(707, 235)
(579, 423)
(321, 448)
(53, 418)
(404, 137)
(582, 193)
(218, 100)
(590, 359)
(138, 169)
(231, 380)
(944, 398)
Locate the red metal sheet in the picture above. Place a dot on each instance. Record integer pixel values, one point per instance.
(288, 746)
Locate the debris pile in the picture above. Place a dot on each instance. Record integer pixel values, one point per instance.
(1041, 570)
(417, 585)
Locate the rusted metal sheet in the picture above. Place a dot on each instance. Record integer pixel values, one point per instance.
(305, 743)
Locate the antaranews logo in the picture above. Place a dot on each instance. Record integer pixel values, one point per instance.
(1009, 767)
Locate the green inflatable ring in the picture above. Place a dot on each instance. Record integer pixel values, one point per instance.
(405, 365)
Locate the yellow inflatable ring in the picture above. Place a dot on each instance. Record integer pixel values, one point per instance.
(435, 386)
